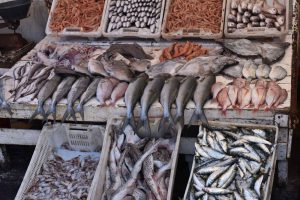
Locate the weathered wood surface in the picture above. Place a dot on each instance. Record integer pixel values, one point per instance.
(24, 107)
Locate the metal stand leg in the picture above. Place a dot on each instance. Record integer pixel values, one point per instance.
(3, 157)
(282, 172)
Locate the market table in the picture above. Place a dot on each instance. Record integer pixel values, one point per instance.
(24, 108)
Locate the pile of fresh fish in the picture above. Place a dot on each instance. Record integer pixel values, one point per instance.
(231, 164)
(254, 69)
(239, 94)
(270, 52)
(134, 14)
(61, 179)
(138, 168)
(199, 66)
(168, 90)
(255, 13)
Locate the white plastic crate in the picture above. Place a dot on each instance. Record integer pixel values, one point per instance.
(79, 137)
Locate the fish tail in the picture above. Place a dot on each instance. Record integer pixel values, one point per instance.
(7, 107)
(223, 112)
(129, 120)
(39, 110)
(80, 110)
(164, 125)
(179, 119)
(72, 113)
(144, 126)
(66, 115)
(52, 110)
(198, 115)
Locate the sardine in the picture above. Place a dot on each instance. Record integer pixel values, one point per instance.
(46, 91)
(76, 91)
(151, 93)
(132, 96)
(185, 92)
(167, 98)
(169, 67)
(62, 90)
(227, 177)
(216, 191)
(201, 95)
(206, 65)
(87, 95)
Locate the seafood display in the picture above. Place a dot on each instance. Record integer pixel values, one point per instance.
(63, 179)
(239, 94)
(182, 15)
(231, 163)
(256, 13)
(143, 14)
(73, 14)
(255, 69)
(137, 167)
(269, 52)
(188, 50)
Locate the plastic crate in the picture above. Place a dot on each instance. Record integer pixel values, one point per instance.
(79, 137)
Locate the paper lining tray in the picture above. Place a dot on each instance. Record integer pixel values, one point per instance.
(73, 31)
(269, 183)
(83, 138)
(99, 187)
(191, 33)
(258, 32)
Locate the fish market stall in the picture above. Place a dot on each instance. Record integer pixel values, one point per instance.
(243, 76)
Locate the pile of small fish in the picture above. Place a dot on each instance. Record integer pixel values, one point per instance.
(231, 164)
(257, 13)
(138, 168)
(239, 94)
(270, 52)
(168, 90)
(188, 50)
(134, 13)
(255, 69)
(61, 179)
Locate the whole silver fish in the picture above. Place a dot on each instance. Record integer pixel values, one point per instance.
(185, 92)
(167, 98)
(62, 90)
(46, 91)
(128, 51)
(151, 93)
(76, 91)
(169, 67)
(132, 96)
(201, 95)
(206, 65)
(87, 95)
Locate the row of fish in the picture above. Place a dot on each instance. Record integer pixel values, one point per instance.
(134, 14)
(255, 13)
(106, 90)
(231, 164)
(137, 168)
(250, 69)
(239, 94)
(167, 90)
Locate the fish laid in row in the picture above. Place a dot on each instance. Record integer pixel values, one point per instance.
(231, 164)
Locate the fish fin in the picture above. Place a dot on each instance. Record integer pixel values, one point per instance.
(6, 107)
(144, 127)
(129, 121)
(164, 126)
(52, 110)
(180, 120)
(80, 111)
(39, 110)
(72, 113)
(198, 115)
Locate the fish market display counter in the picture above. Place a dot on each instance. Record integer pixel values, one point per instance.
(23, 108)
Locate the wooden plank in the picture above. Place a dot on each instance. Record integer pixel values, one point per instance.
(283, 135)
(282, 120)
(19, 136)
(282, 172)
(289, 147)
(281, 151)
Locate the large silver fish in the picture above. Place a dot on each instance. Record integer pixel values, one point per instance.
(169, 67)
(201, 95)
(62, 90)
(206, 65)
(151, 93)
(185, 92)
(76, 91)
(128, 51)
(46, 91)
(87, 95)
(132, 96)
(167, 98)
